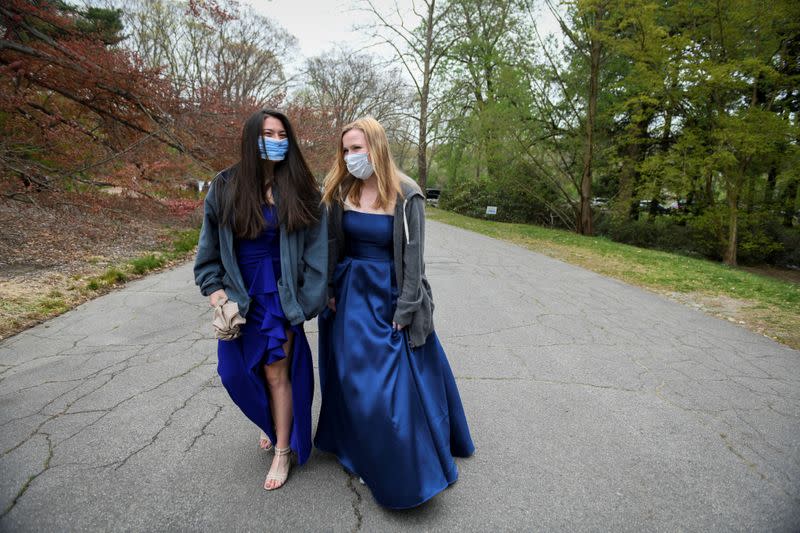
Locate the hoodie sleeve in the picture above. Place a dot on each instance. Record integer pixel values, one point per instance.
(312, 294)
(334, 242)
(208, 269)
(410, 298)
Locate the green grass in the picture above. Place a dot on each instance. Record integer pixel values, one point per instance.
(148, 262)
(52, 305)
(113, 275)
(771, 303)
(110, 277)
(184, 242)
(181, 244)
(54, 302)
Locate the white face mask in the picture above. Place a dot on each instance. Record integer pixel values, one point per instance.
(359, 166)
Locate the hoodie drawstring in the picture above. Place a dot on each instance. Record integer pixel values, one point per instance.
(405, 220)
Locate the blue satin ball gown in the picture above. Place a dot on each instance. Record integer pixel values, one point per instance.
(241, 361)
(392, 415)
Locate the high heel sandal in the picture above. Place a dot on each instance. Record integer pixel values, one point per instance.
(262, 439)
(280, 478)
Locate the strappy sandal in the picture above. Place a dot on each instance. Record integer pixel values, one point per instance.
(280, 478)
(264, 443)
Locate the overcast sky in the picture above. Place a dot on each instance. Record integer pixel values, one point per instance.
(320, 25)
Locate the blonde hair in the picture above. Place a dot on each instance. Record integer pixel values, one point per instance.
(340, 185)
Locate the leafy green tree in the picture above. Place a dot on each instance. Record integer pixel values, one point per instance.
(732, 68)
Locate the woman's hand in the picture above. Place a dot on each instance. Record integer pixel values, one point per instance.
(397, 326)
(215, 297)
(332, 304)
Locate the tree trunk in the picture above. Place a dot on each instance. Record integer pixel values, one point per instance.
(729, 258)
(769, 190)
(663, 144)
(709, 189)
(624, 199)
(625, 205)
(422, 147)
(422, 154)
(733, 188)
(751, 192)
(585, 213)
(789, 202)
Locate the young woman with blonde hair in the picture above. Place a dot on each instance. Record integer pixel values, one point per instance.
(390, 411)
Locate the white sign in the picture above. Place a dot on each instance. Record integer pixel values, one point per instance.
(491, 209)
(200, 184)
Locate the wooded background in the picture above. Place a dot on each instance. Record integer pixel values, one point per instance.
(670, 124)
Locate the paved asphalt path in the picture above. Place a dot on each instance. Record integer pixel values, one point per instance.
(593, 405)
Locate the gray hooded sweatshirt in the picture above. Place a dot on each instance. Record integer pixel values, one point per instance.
(415, 299)
(302, 285)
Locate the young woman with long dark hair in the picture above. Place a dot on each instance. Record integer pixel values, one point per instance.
(391, 411)
(263, 245)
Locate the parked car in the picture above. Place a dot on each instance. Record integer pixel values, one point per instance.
(790, 214)
(644, 207)
(599, 201)
(432, 196)
(676, 205)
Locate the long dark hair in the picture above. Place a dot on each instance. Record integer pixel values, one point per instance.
(244, 191)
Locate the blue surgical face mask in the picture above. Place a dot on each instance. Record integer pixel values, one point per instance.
(359, 166)
(272, 149)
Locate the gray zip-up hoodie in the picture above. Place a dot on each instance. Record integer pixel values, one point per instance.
(415, 299)
(304, 260)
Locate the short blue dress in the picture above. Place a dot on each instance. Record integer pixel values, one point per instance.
(392, 415)
(241, 361)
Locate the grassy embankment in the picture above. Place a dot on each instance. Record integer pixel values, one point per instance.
(765, 305)
(62, 293)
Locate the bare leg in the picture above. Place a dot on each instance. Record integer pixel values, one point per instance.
(280, 391)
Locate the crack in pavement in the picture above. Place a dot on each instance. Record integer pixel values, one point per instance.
(742, 458)
(97, 373)
(551, 382)
(107, 411)
(491, 332)
(53, 416)
(32, 478)
(203, 429)
(716, 415)
(355, 503)
(119, 464)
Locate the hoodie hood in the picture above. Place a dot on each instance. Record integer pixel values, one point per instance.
(409, 187)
